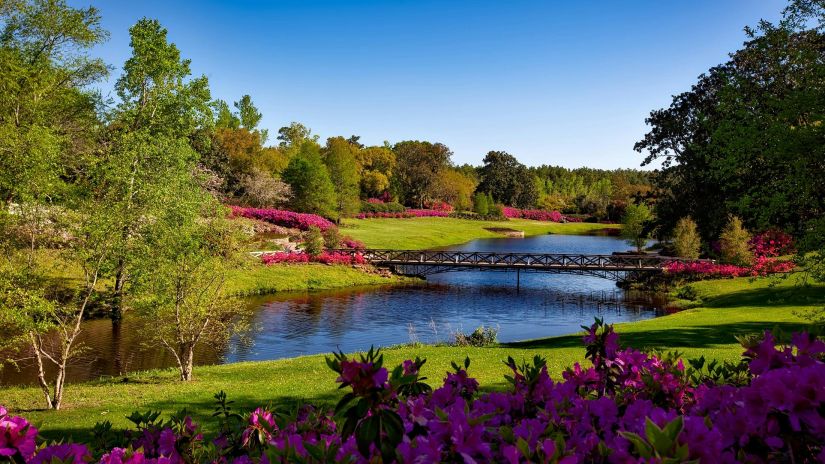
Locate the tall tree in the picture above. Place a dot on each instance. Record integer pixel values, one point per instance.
(418, 165)
(47, 122)
(307, 176)
(376, 166)
(340, 160)
(634, 225)
(508, 181)
(149, 143)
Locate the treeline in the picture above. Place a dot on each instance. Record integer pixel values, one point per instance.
(334, 178)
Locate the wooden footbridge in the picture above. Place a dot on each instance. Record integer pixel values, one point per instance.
(423, 263)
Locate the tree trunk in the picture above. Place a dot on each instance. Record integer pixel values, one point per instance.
(187, 361)
(41, 371)
(116, 312)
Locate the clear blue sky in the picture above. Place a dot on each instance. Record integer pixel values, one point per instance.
(563, 83)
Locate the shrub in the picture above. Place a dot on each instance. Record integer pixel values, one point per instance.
(734, 243)
(313, 241)
(332, 238)
(771, 243)
(686, 240)
(481, 336)
(371, 206)
(326, 257)
(283, 218)
(480, 204)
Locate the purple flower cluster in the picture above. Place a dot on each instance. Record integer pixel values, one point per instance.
(626, 407)
(537, 215)
(327, 257)
(761, 266)
(283, 218)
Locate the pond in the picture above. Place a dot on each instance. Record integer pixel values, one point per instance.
(430, 312)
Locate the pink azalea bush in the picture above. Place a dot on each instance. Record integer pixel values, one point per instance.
(771, 243)
(327, 257)
(761, 266)
(283, 218)
(410, 213)
(537, 215)
(438, 206)
(625, 407)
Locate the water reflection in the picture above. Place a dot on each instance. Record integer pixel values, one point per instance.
(353, 319)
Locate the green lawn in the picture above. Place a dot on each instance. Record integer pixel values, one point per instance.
(727, 308)
(436, 232)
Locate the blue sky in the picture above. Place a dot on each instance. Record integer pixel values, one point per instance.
(561, 83)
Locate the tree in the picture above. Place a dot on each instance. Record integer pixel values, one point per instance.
(312, 189)
(418, 165)
(456, 189)
(294, 135)
(47, 123)
(748, 138)
(376, 166)
(507, 180)
(224, 117)
(250, 117)
(340, 160)
(480, 204)
(735, 243)
(686, 240)
(262, 190)
(149, 144)
(181, 286)
(635, 220)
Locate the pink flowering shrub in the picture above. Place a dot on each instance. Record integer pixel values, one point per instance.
(438, 206)
(626, 407)
(761, 266)
(352, 244)
(537, 215)
(326, 257)
(410, 213)
(771, 243)
(283, 218)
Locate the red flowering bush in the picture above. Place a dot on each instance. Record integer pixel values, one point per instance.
(326, 257)
(537, 215)
(627, 407)
(410, 213)
(771, 243)
(761, 266)
(283, 218)
(438, 206)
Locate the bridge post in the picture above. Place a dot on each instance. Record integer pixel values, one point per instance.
(518, 280)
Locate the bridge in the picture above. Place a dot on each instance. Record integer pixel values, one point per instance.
(422, 263)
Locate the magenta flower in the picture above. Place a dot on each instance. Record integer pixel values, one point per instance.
(17, 437)
(64, 453)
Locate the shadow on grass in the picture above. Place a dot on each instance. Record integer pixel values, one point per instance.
(770, 297)
(693, 337)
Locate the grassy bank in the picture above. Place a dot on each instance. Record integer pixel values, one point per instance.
(725, 308)
(435, 232)
(258, 279)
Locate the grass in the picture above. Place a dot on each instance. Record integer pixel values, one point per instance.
(436, 232)
(726, 308)
(258, 279)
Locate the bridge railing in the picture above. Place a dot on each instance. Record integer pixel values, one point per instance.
(515, 260)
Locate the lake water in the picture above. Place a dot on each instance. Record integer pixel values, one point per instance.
(291, 324)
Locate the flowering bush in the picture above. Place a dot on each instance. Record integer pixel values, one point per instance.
(438, 206)
(628, 406)
(771, 243)
(283, 218)
(351, 243)
(325, 257)
(761, 266)
(410, 213)
(537, 215)
(373, 205)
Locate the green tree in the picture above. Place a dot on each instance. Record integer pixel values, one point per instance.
(340, 160)
(312, 189)
(149, 145)
(735, 243)
(294, 135)
(224, 117)
(418, 165)
(181, 281)
(507, 180)
(687, 243)
(634, 225)
(480, 204)
(376, 166)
